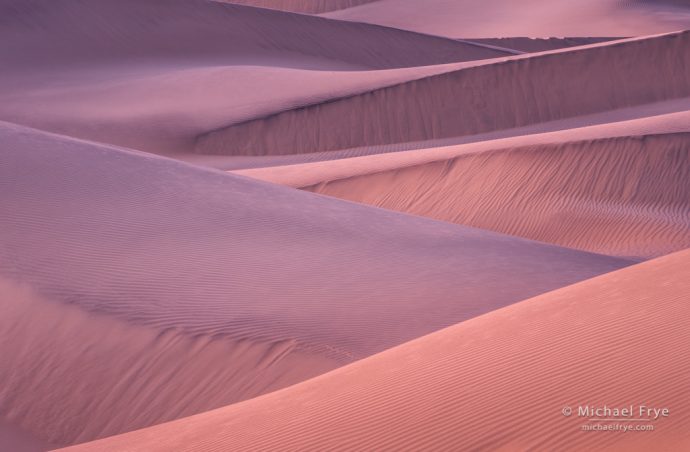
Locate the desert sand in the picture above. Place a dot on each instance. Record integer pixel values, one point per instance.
(342, 224)
(498, 381)
(302, 6)
(88, 68)
(283, 293)
(604, 179)
(533, 18)
(535, 88)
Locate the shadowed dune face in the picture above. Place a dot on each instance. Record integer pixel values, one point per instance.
(603, 196)
(172, 260)
(302, 6)
(531, 89)
(536, 18)
(495, 382)
(163, 111)
(155, 75)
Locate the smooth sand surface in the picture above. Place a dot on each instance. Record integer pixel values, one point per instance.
(155, 75)
(88, 32)
(495, 382)
(136, 258)
(533, 18)
(533, 88)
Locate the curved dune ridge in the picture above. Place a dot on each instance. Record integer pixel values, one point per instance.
(134, 259)
(656, 118)
(302, 6)
(107, 31)
(163, 111)
(538, 18)
(495, 382)
(533, 88)
(600, 195)
(524, 44)
(155, 75)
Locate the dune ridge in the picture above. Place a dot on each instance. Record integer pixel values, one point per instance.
(154, 75)
(535, 88)
(302, 6)
(526, 44)
(497, 382)
(601, 196)
(199, 31)
(535, 18)
(283, 293)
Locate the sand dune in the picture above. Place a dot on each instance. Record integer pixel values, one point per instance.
(153, 76)
(656, 118)
(535, 18)
(343, 224)
(134, 259)
(602, 196)
(302, 6)
(163, 110)
(524, 44)
(593, 188)
(495, 382)
(534, 88)
(147, 31)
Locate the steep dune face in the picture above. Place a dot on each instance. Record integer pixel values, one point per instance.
(603, 196)
(135, 260)
(499, 381)
(298, 170)
(302, 6)
(514, 92)
(537, 18)
(163, 110)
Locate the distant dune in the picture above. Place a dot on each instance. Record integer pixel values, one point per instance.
(533, 89)
(133, 259)
(200, 31)
(497, 382)
(302, 6)
(155, 75)
(524, 44)
(534, 18)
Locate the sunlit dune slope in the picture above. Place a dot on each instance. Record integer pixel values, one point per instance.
(513, 92)
(131, 261)
(625, 196)
(496, 382)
